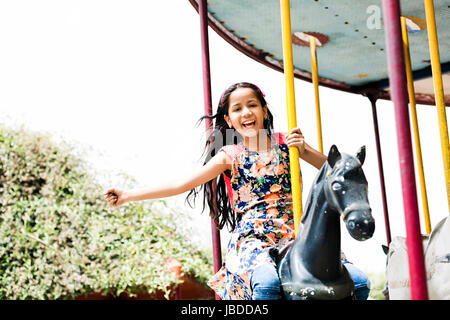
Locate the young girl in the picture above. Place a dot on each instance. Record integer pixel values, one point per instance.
(253, 163)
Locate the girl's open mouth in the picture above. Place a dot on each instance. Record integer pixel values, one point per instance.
(249, 124)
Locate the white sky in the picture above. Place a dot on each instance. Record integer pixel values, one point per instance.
(123, 80)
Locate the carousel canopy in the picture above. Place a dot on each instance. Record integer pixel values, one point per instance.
(351, 48)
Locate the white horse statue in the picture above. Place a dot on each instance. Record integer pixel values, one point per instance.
(437, 265)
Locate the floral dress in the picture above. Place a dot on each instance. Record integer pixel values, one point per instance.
(261, 192)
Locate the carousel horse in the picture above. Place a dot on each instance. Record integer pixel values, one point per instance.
(310, 267)
(437, 265)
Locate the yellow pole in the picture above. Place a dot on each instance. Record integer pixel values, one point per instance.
(291, 112)
(438, 90)
(412, 101)
(315, 80)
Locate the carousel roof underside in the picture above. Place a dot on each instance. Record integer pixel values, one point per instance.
(352, 54)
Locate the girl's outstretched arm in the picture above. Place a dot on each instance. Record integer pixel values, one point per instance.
(218, 164)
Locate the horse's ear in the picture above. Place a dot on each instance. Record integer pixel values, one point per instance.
(361, 154)
(333, 156)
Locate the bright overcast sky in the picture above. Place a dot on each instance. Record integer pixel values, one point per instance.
(123, 80)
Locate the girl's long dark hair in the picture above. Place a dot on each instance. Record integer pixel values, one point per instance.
(220, 208)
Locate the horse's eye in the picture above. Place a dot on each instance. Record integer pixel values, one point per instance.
(336, 186)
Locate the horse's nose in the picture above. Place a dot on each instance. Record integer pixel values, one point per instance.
(360, 224)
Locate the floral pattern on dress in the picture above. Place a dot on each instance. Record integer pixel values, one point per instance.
(261, 192)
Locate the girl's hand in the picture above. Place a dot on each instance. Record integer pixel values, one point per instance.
(115, 197)
(296, 139)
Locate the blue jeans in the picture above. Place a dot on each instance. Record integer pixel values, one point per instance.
(360, 279)
(266, 284)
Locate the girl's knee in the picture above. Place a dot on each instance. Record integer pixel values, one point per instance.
(361, 281)
(265, 275)
(265, 283)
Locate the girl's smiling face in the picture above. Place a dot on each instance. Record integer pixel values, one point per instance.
(245, 112)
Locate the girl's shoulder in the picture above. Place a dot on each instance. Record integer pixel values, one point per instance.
(280, 137)
(233, 150)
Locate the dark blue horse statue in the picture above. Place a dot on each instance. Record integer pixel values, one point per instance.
(310, 267)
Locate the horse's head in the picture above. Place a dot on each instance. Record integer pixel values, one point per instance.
(346, 192)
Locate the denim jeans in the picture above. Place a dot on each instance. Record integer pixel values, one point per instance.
(266, 284)
(360, 279)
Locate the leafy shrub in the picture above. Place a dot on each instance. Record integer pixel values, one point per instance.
(59, 238)
(377, 282)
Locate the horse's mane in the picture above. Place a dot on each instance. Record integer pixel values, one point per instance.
(320, 177)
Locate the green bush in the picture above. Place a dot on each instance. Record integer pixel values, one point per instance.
(377, 282)
(59, 238)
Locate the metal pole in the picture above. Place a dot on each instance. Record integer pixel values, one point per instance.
(415, 123)
(438, 90)
(203, 12)
(315, 80)
(373, 101)
(399, 96)
(291, 112)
